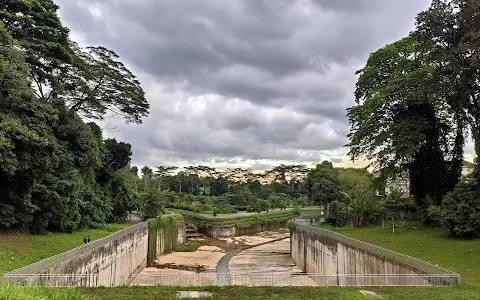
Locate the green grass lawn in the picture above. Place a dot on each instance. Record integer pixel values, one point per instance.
(18, 250)
(286, 293)
(21, 293)
(224, 293)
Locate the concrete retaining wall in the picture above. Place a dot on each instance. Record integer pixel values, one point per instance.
(231, 231)
(348, 263)
(111, 261)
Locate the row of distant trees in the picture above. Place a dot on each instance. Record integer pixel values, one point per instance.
(205, 189)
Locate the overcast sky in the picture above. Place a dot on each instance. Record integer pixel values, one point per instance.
(241, 83)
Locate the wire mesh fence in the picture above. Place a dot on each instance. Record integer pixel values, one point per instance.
(212, 279)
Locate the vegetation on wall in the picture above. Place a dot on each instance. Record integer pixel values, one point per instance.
(163, 235)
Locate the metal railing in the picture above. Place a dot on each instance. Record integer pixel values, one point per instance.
(64, 256)
(428, 268)
(246, 279)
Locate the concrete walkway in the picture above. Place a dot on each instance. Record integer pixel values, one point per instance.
(268, 264)
(134, 219)
(223, 272)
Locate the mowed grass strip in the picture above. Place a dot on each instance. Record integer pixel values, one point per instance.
(22, 293)
(18, 250)
(287, 293)
(224, 293)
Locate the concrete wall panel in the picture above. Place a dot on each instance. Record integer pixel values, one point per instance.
(315, 252)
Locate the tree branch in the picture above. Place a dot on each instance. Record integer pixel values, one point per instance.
(77, 105)
(39, 86)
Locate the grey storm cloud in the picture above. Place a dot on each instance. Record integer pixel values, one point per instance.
(249, 79)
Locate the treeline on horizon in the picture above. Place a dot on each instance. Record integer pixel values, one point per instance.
(207, 190)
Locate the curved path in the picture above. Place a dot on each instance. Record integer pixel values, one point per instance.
(223, 272)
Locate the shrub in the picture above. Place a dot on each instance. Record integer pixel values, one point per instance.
(226, 209)
(152, 204)
(394, 206)
(363, 208)
(337, 215)
(435, 216)
(461, 210)
(184, 206)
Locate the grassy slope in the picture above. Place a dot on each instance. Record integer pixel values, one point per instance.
(18, 250)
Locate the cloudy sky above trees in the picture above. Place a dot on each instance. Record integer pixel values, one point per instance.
(250, 83)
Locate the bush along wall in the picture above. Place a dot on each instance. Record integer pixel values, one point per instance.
(163, 234)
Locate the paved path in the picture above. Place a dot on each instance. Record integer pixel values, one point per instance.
(223, 274)
(269, 264)
(134, 219)
(223, 271)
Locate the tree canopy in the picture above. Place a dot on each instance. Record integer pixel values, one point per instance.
(403, 120)
(57, 172)
(91, 81)
(322, 183)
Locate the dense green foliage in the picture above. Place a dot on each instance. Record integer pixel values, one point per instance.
(357, 203)
(337, 214)
(322, 183)
(459, 211)
(57, 173)
(403, 122)
(416, 100)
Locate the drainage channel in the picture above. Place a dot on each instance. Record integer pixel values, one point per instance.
(223, 273)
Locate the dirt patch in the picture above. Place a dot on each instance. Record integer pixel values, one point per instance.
(256, 239)
(209, 259)
(233, 243)
(211, 249)
(195, 268)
